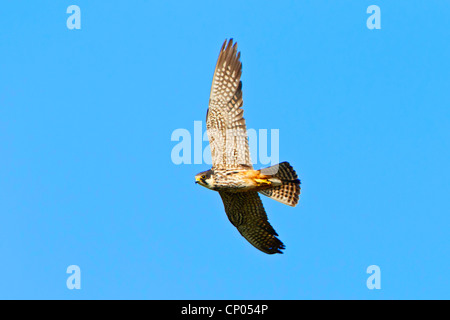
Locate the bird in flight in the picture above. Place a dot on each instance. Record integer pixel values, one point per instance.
(232, 173)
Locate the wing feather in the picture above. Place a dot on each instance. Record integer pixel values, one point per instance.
(246, 212)
(225, 123)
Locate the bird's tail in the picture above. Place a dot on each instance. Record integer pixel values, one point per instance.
(289, 190)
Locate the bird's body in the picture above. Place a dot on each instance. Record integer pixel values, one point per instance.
(240, 180)
(232, 173)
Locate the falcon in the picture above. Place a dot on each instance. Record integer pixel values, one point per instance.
(232, 173)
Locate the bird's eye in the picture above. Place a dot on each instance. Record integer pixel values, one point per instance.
(203, 177)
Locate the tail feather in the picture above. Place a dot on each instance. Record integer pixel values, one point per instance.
(289, 191)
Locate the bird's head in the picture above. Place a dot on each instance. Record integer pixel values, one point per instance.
(205, 179)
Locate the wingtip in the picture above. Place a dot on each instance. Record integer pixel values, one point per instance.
(277, 247)
(224, 44)
(276, 250)
(228, 43)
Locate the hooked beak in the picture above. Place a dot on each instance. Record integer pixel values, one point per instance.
(197, 180)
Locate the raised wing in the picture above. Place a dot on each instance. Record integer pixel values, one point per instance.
(225, 124)
(246, 212)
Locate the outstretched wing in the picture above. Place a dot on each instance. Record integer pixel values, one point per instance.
(246, 212)
(225, 124)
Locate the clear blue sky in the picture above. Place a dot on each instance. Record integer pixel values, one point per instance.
(86, 176)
